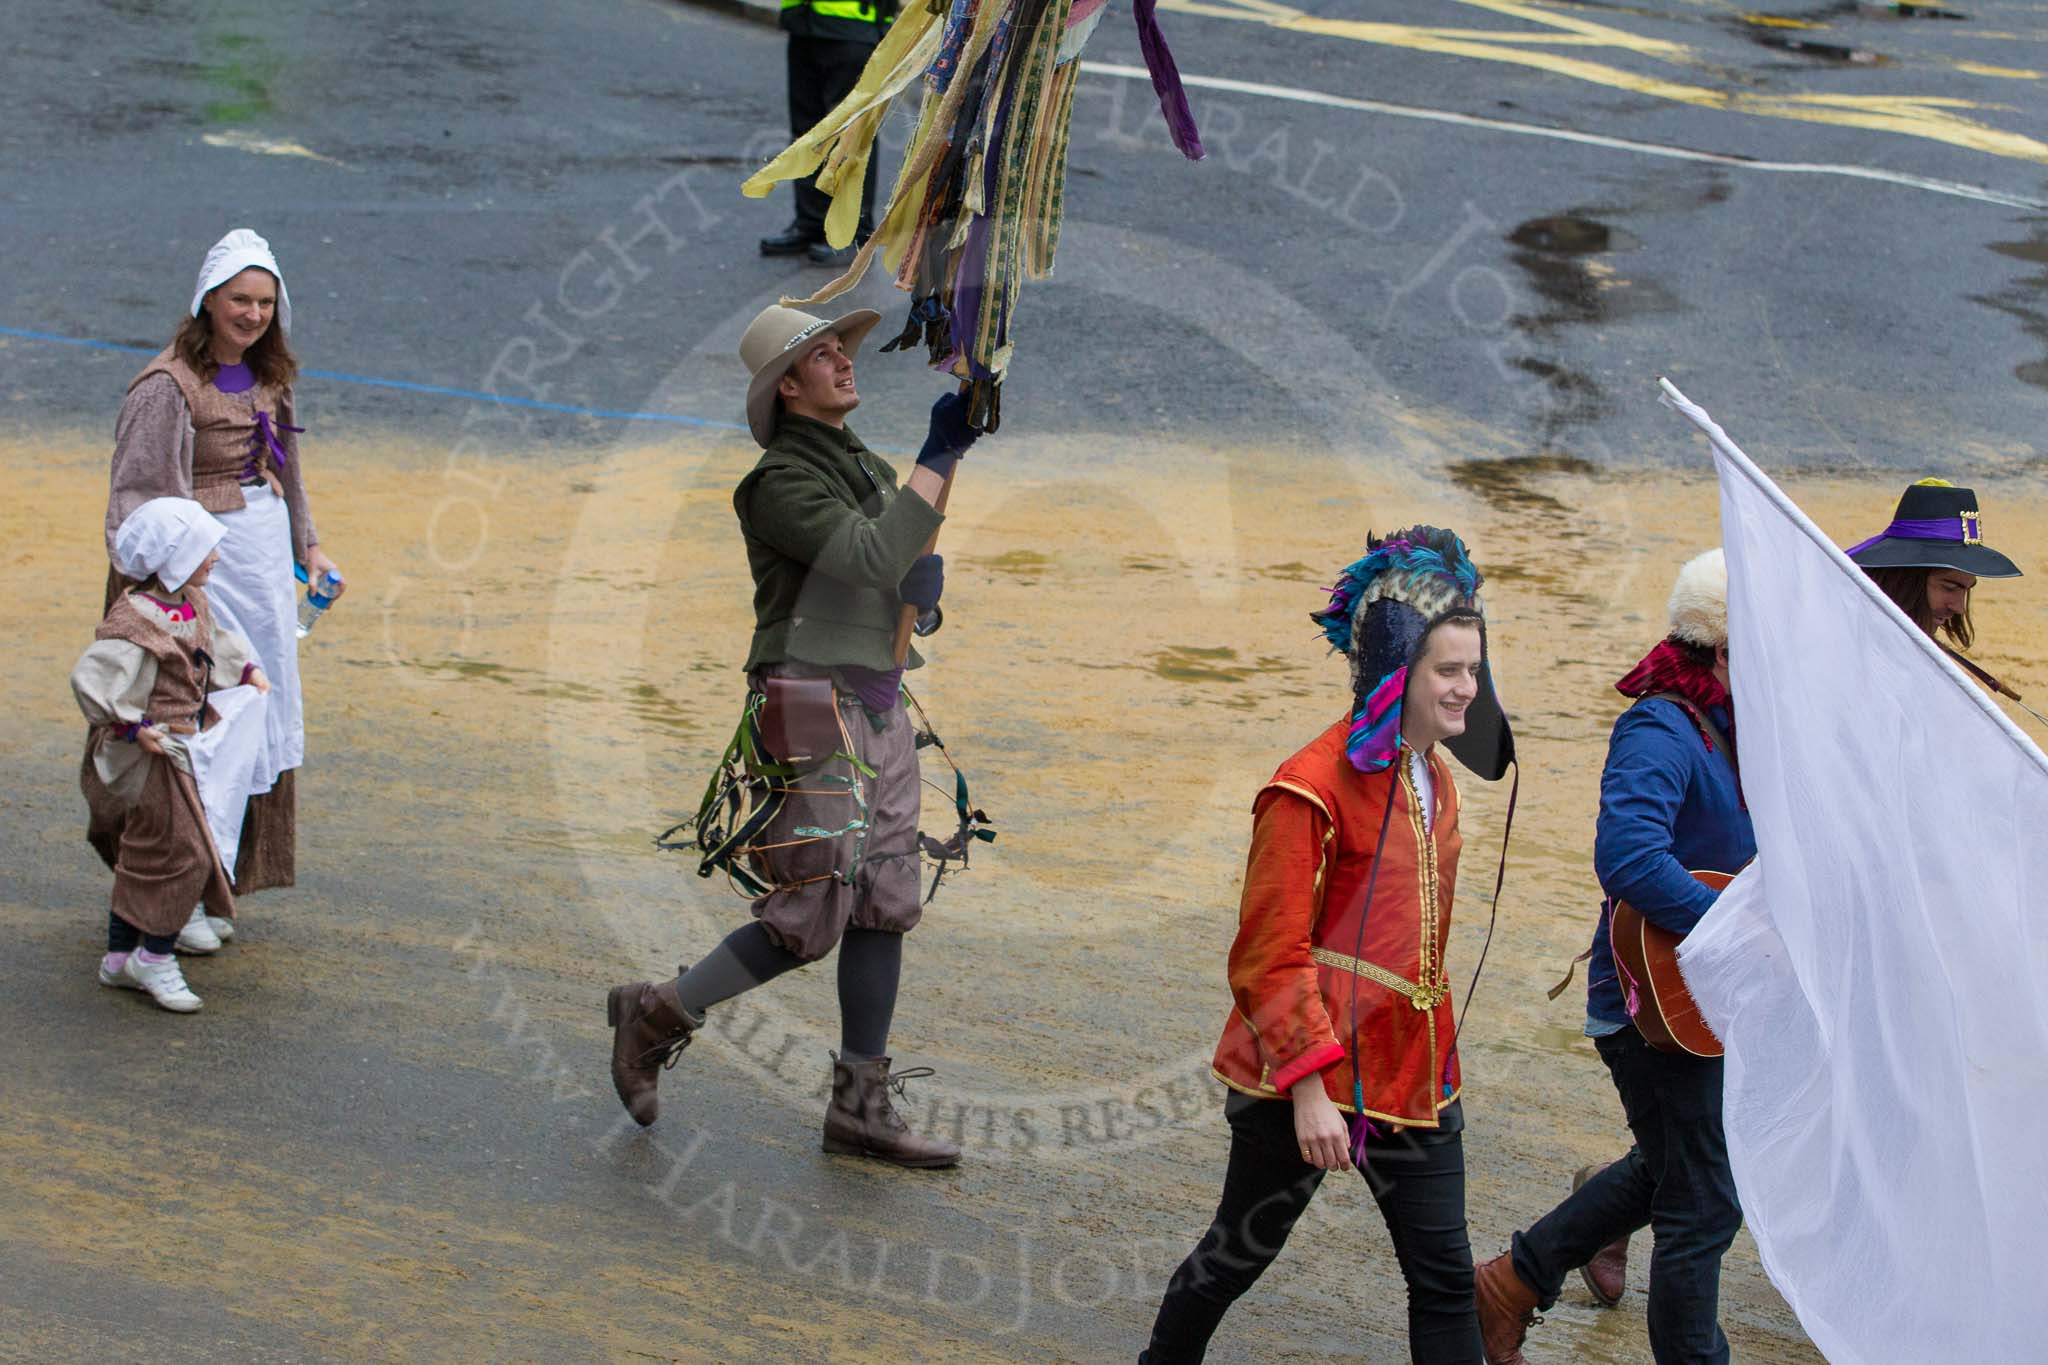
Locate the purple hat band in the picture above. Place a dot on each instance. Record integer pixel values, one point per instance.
(1962, 527)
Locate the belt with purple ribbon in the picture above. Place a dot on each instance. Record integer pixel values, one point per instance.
(1963, 526)
(264, 441)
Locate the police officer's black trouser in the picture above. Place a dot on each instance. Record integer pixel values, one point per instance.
(822, 72)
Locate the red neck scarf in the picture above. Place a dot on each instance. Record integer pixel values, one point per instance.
(1666, 669)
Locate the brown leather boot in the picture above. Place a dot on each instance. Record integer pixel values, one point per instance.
(650, 1029)
(861, 1122)
(1507, 1310)
(1606, 1275)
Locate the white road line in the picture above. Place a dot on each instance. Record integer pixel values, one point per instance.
(1952, 188)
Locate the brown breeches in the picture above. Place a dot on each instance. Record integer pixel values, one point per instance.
(816, 898)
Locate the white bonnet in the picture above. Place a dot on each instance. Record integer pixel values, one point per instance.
(166, 537)
(229, 257)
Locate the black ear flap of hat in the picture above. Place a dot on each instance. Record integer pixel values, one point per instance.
(1487, 745)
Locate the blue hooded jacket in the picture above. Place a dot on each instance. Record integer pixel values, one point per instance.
(1668, 807)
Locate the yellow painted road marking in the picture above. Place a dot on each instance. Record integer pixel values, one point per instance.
(240, 141)
(1929, 117)
(2015, 73)
(1952, 188)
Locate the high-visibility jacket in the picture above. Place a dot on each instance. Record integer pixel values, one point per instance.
(859, 21)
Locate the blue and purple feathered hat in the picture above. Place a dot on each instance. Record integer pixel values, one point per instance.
(1379, 613)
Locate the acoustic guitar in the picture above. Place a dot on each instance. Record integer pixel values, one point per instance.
(1647, 959)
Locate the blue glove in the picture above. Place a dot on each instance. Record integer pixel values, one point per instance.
(950, 435)
(921, 587)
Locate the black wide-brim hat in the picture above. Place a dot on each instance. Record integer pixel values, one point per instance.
(1936, 527)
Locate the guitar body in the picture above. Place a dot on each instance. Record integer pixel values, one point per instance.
(1647, 958)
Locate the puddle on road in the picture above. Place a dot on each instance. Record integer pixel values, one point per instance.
(2025, 300)
(1194, 664)
(654, 707)
(1029, 565)
(1911, 12)
(1511, 483)
(1573, 397)
(1564, 256)
(1561, 254)
(645, 702)
(1838, 53)
(1568, 234)
(1854, 9)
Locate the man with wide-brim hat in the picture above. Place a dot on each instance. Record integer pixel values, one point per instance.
(1931, 556)
(837, 552)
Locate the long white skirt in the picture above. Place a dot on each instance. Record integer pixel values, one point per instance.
(254, 593)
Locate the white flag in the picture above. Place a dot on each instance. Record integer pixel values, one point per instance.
(1880, 974)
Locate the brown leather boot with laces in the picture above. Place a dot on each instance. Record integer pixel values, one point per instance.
(862, 1122)
(1507, 1310)
(650, 1029)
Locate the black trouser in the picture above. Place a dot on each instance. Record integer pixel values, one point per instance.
(1418, 1177)
(1675, 1179)
(822, 72)
(123, 937)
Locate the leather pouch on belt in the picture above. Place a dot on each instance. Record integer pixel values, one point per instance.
(800, 721)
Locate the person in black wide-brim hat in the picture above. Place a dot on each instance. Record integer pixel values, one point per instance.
(1931, 556)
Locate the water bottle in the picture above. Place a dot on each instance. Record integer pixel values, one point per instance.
(319, 597)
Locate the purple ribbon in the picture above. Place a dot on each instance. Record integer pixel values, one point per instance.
(1362, 1129)
(1963, 526)
(264, 439)
(1173, 100)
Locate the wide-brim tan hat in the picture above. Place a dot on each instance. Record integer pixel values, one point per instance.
(772, 343)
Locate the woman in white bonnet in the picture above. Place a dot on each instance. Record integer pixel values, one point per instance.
(210, 419)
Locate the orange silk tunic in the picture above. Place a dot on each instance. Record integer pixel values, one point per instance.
(1301, 970)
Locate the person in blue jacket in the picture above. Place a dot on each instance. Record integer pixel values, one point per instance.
(1670, 803)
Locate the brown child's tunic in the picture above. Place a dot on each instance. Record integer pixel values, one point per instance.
(144, 814)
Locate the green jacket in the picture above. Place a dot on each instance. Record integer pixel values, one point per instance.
(828, 541)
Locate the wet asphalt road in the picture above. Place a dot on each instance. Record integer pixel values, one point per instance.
(538, 201)
(434, 183)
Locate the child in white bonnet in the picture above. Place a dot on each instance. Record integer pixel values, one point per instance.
(144, 687)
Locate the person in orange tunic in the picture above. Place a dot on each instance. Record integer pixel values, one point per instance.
(1341, 1047)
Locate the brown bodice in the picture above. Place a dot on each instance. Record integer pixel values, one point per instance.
(227, 449)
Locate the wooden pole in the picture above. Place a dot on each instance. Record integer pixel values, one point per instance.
(907, 622)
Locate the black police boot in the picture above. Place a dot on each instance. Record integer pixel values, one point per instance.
(824, 253)
(793, 240)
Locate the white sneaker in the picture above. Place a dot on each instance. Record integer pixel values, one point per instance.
(223, 929)
(197, 936)
(164, 982)
(117, 978)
